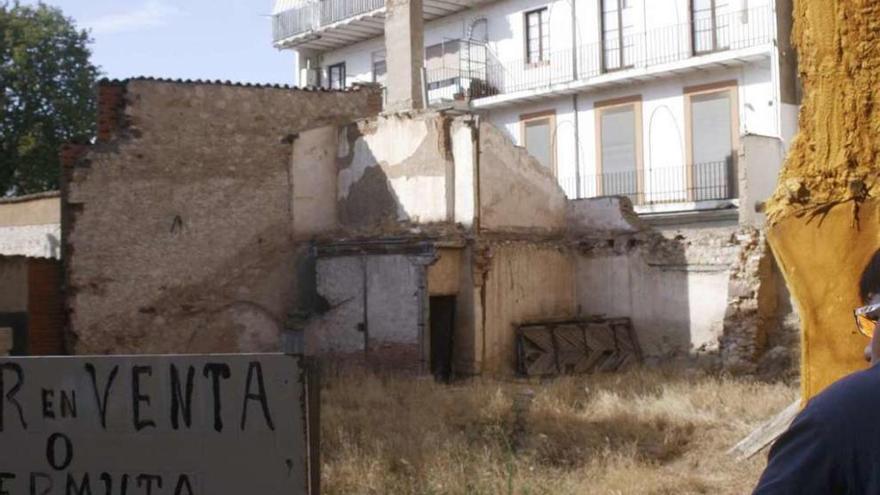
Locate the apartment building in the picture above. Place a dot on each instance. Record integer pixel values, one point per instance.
(649, 99)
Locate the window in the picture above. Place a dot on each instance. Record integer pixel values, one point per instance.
(710, 27)
(442, 64)
(620, 147)
(380, 68)
(336, 76)
(713, 128)
(538, 136)
(537, 36)
(443, 55)
(618, 42)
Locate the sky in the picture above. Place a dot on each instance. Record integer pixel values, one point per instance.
(191, 39)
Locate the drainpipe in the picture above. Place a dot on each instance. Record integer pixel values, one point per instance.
(574, 47)
(577, 148)
(424, 72)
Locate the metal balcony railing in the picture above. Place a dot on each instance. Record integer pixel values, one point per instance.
(310, 15)
(734, 30)
(711, 181)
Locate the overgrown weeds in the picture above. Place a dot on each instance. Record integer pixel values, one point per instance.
(644, 432)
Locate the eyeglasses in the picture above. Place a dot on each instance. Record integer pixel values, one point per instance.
(867, 319)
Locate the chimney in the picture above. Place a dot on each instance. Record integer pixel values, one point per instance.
(404, 54)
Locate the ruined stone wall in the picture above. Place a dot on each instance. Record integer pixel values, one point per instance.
(760, 325)
(709, 290)
(673, 286)
(178, 222)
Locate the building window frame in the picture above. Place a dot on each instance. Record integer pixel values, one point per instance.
(378, 59)
(732, 88)
(599, 107)
(340, 69)
(621, 57)
(545, 115)
(542, 56)
(713, 16)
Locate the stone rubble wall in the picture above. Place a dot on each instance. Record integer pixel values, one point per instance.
(178, 222)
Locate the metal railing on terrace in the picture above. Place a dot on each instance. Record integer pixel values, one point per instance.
(730, 31)
(710, 181)
(310, 15)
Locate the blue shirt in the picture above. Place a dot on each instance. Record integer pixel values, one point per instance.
(833, 445)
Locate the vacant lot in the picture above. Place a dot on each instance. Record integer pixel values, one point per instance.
(649, 432)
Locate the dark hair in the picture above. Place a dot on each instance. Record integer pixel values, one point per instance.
(870, 282)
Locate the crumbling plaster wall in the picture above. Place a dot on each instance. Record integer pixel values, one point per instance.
(674, 288)
(395, 170)
(674, 282)
(515, 192)
(313, 173)
(373, 310)
(178, 222)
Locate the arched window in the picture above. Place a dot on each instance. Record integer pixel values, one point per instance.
(479, 30)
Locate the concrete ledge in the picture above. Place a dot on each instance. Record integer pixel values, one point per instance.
(680, 218)
(609, 214)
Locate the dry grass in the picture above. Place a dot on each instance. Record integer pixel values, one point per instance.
(642, 432)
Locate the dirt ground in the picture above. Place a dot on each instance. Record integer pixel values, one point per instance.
(640, 432)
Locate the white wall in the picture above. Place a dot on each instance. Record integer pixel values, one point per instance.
(663, 119)
(663, 103)
(674, 311)
(506, 28)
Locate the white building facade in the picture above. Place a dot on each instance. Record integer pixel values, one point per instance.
(650, 99)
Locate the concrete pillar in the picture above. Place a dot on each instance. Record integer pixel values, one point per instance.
(307, 61)
(404, 54)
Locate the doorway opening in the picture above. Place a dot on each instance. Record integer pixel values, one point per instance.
(442, 314)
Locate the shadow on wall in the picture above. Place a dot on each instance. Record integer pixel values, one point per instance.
(368, 200)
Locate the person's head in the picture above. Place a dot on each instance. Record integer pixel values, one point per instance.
(868, 315)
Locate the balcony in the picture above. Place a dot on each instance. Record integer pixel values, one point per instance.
(668, 50)
(697, 183)
(331, 24)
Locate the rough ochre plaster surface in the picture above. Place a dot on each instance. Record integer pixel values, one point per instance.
(521, 282)
(180, 236)
(515, 191)
(824, 213)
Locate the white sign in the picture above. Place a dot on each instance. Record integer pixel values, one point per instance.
(153, 425)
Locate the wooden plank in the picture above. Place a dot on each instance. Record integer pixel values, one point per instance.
(765, 434)
(576, 346)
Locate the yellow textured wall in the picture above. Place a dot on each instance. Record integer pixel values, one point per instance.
(525, 282)
(823, 223)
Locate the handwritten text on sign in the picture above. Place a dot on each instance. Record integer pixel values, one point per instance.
(152, 425)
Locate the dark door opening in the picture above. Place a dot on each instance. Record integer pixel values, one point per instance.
(442, 313)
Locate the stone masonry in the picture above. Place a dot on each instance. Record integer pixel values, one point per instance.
(178, 230)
